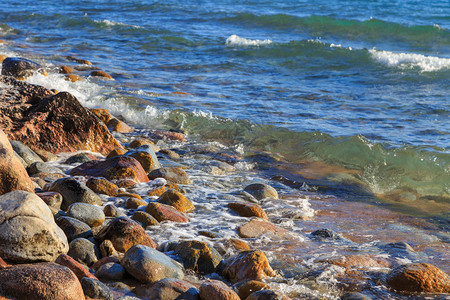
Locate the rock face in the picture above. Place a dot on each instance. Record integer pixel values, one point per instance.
(13, 175)
(177, 200)
(215, 289)
(40, 281)
(74, 191)
(56, 123)
(149, 265)
(115, 168)
(172, 289)
(418, 277)
(20, 67)
(28, 232)
(247, 265)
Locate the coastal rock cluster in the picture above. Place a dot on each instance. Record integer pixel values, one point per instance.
(81, 232)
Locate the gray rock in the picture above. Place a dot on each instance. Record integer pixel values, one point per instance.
(42, 167)
(326, 234)
(267, 295)
(84, 251)
(74, 228)
(172, 289)
(77, 159)
(28, 232)
(261, 191)
(74, 191)
(25, 153)
(19, 67)
(355, 296)
(110, 210)
(149, 265)
(111, 271)
(87, 213)
(95, 289)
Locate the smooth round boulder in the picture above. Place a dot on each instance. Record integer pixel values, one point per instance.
(90, 214)
(163, 212)
(247, 209)
(247, 265)
(215, 289)
(84, 251)
(172, 289)
(261, 191)
(177, 200)
(74, 191)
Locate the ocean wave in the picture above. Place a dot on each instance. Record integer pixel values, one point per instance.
(235, 40)
(410, 60)
(114, 23)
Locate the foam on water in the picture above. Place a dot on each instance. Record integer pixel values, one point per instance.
(114, 23)
(235, 40)
(410, 60)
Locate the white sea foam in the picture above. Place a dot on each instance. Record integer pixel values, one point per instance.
(235, 40)
(411, 60)
(114, 23)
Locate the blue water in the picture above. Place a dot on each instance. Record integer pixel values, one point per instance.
(363, 85)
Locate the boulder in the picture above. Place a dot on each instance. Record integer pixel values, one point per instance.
(74, 191)
(73, 77)
(124, 233)
(247, 265)
(84, 251)
(74, 228)
(261, 191)
(116, 152)
(77, 268)
(56, 123)
(248, 287)
(95, 289)
(119, 126)
(48, 281)
(28, 232)
(418, 277)
(52, 199)
(149, 265)
(172, 174)
(162, 212)
(258, 227)
(66, 70)
(115, 168)
(177, 200)
(247, 209)
(146, 157)
(20, 68)
(217, 290)
(28, 155)
(172, 289)
(144, 218)
(102, 186)
(87, 213)
(13, 175)
(111, 271)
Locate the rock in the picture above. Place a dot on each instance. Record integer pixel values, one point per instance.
(42, 167)
(105, 260)
(169, 135)
(258, 227)
(52, 199)
(28, 232)
(418, 277)
(169, 154)
(74, 228)
(111, 271)
(197, 256)
(87, 213)
(115, 168)
(55, 123)
(74, 191)
(119, 126)
(98, 73)
(140, 142)
(95, 289)
(208, 234)
(111, 210)
(159, 190)
(134, 203)
(66, 70)
(238, 245)
(40, 281)
(20, 68)
(78, 159)
(217, 290)
(73, 77)
(173, 174)
(103, 114)
(28, 155)
(84, 251)
(261, 191)
(116, 152)
(177, 200)
(248, 287)
(172, 289)
(45, 155)
(162, 212)
(267, 295)
(149, 265)
(77, 268)
(144, 218)
(107, 249)
(247, 209)
(326, 234)
(102, 186)
(79, 60)
(13, 175)
(146, 157)
(124, 233)
(247, 265)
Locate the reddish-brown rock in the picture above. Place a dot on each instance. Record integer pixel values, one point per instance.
(77, 268)
(79, 60)
(124, 233)
(104, 260)
(145, 159)
(103, 74)
(56, 123)
(119, 126)
(418, 277)
(258, 227)
(247, 209)
(66, 70)
(102, 186)
(177, 200)
(172, 174)
(13, 175)
(3, 264)
(73, 77)
(133, 203)
(248, 287)
(140, 142)
(40, 281)
(103, 114)
(115, 168)
(247, 265)
(162, 212)
(20, 67)
(217, 290)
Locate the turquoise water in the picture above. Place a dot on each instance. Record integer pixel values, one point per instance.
(362, 85)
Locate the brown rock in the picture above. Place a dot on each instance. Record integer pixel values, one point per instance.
(107, 249)
(102, 186)
(170, 135)
(261, 191)
(140, 142)
(169, 154)
(363, 261)
(144, 218)
(177, 200)
(55, 123)
(116, 152)
(258, 227)
(247, 209)
(173, 174)
(145, 158)
(162, 212)
(104, 260)
(73, 77)
(45, 155)
(125, 183)
(418, 277)
(2, 57)
(247, 265)
(77, 268)
(124, 233)
(48, 281)
(115, 168)
(249, 287)
(133, 203)
(13, 175)
(103, 114)
(79, 60)
(161, 190)
(217, 290)
(103, 74)
(3, 264)
(66, 70)
(119, 126)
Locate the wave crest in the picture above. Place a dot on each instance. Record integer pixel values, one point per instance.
(410, 60)
(235, 40)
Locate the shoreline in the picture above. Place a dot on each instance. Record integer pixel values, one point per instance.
(216, 164)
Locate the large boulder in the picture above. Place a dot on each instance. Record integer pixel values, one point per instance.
(56, 123)
(13, 175)
(28, 232)
(247, 265)
(20, 67)
(115, 168)
(43, 281)
(215, 289)
(74, 191)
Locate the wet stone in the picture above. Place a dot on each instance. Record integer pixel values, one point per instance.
(144, 218)
(102, 186)
(77, 159)
(95, 289)
(172, 289)
(111, 210)
(90, 214)
(52, 199)
(74, 191)
(261, 191)
(111, 271)
(215, 289)
(73, 228)
(84, 251)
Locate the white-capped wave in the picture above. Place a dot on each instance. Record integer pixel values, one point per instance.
(114, 23)
(411, 60)
(235, 40)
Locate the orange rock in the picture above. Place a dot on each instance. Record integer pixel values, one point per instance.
(239, 245)
(363, 261)
(247, 265)
(162, 212)
(116, 152)
(145, 158)
(2, 57)
(125, 183)
(140, 142)
(77, 268)
(79, 60)
(134, 203)
(161, 190)
(66, 70)
(180, 94)
(73, 77)
(248, 209)
(119, 126)
(130, 195)
(258, 227)
(249, 287)
(103, 74)
(102, 186)
(177, 200)
(102, 114)
(217, 290)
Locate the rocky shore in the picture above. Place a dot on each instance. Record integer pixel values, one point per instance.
(91, 208)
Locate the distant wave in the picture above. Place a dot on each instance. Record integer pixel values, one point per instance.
(411, 60)
(113, 23)
(235, 40)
